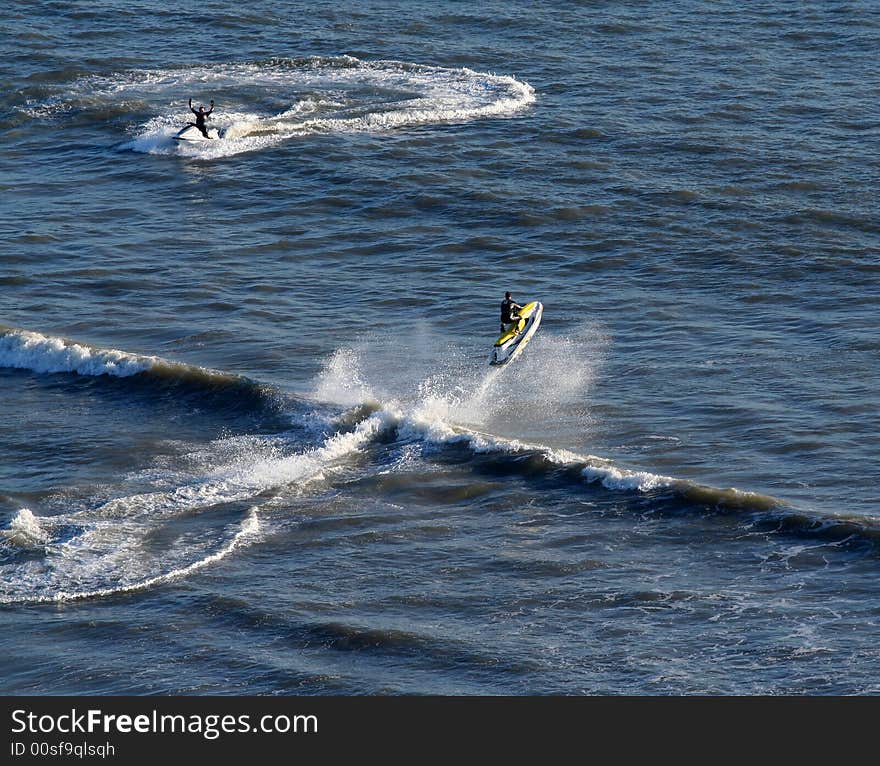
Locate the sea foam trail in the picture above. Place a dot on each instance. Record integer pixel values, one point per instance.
(340, 94)
(25, 531)
(106, 550)
(248, 531)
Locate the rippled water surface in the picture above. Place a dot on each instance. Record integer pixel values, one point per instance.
(250, 440)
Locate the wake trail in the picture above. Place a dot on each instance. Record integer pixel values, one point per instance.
(320, 95)
(110, 547)
(105, 550)
(212, 508)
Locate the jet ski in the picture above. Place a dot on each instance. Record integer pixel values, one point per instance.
(192, 133)
(517, 335)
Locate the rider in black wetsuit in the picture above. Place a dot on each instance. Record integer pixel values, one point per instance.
(509, 311)
(201, 116)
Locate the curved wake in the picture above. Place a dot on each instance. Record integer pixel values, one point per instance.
(261, 104)
(111, 548)
(248, 531)
(196, 516)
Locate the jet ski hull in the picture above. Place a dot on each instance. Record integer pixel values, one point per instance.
(516, 337)
(192, 133)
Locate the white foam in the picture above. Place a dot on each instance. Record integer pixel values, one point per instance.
(248, 530)
(340, 380)
(106, 549)
(444, 407)
(446, 95)
(26, 350)
(426, 423)
(248, 467)
(612, 477)
(339, 95)
(25, 531)
(108, 552)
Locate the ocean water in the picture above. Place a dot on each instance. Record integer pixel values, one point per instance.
(249, 439)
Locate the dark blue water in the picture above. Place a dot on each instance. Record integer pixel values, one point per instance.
(250, 440)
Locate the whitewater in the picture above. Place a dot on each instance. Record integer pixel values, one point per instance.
(335, 95)
(97, 551)
(250, 442)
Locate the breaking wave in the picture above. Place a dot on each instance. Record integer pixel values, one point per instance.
(47, 354)
(210, 505)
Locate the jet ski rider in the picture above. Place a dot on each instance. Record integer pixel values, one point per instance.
(509, 311)
(201, 116)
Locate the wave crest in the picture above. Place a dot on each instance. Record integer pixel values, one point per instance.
(318, 95)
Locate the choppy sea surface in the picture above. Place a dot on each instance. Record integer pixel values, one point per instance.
(249, 439)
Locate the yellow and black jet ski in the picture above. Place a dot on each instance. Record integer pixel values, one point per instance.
(517, 335)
